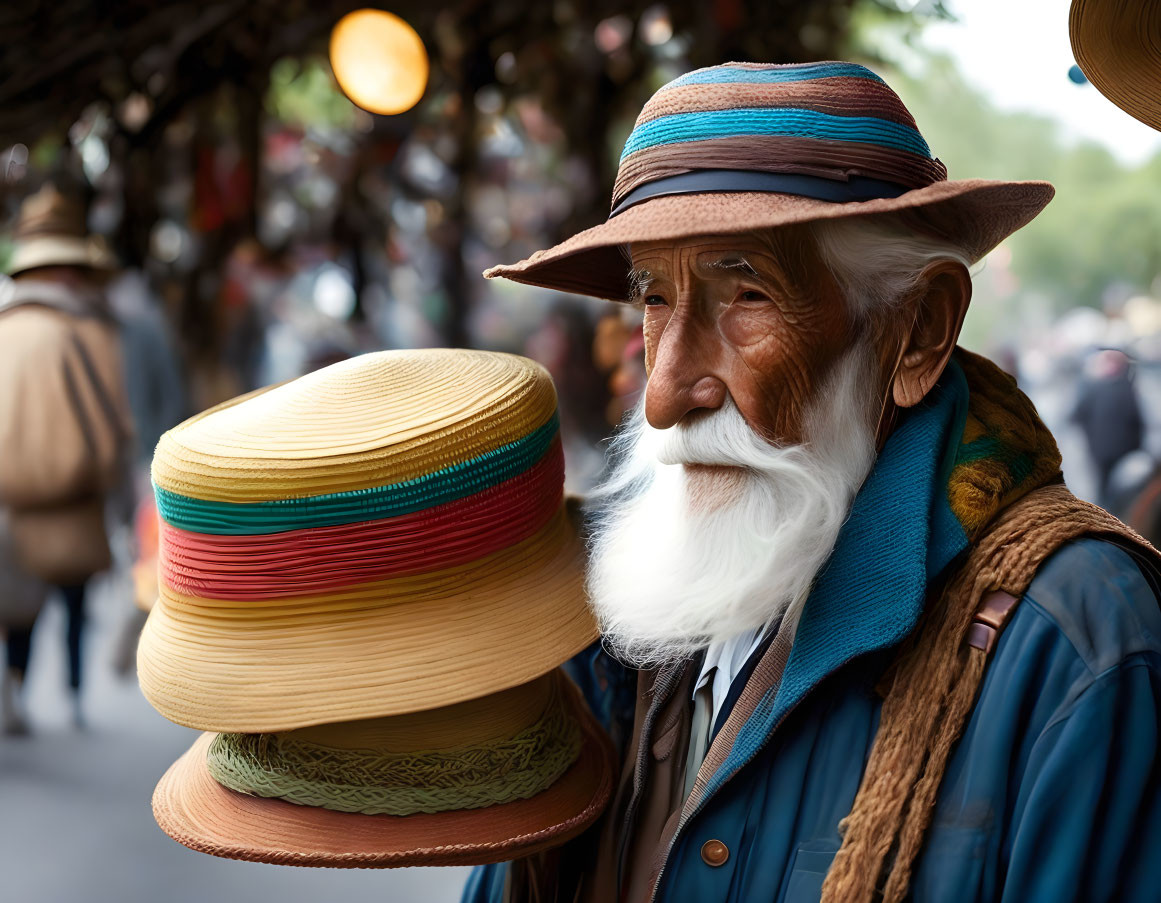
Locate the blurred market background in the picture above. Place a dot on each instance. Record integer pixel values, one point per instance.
(266, 225)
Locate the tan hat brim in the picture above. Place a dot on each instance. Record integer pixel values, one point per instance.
(63, 250)
(1116, 47)
(380, 649)
(195, 810)
(975, 213)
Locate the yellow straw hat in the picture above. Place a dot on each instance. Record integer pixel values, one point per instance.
(384, 536)
(1117, 46)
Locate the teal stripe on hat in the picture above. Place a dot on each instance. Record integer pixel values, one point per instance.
(719, 75)
(436, 488)
(788, 122)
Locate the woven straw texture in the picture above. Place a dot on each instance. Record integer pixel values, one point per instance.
(368, 422)
(379, 537)
(472, 774)
(834, 121)
(200, 813)
(1117, 44)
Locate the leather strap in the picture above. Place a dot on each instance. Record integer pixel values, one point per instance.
(994, 612)
(996, 608)
(121, 431)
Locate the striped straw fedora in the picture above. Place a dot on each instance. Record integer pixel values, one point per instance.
(486, 780)
(747, 146)
(1117, 45)
(383, 536)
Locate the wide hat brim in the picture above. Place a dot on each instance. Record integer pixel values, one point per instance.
(198, 812)
(975, 214)
(1115, 45)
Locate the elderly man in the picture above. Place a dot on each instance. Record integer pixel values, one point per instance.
(882, 652)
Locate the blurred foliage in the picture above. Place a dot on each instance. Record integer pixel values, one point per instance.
(877, 29)
(1104, 226)
(304, 93)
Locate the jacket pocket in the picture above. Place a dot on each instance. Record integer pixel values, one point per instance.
(811, 862)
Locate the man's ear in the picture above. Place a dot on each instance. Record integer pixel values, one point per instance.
(946, 289)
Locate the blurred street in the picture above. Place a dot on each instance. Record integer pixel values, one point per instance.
(89, 792)
(229, 197)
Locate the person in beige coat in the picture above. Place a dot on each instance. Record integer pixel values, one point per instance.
(64, 418)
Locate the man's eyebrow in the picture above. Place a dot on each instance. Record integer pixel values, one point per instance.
(733, 262)
(639, 280)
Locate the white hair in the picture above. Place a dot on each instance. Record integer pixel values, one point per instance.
(705, 530)
(878, 262)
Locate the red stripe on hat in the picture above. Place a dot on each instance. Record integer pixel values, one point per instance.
(302, 562)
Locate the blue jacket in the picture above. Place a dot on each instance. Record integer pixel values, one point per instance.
(1052, 794)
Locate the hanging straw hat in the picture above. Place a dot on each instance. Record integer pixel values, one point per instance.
(50, 231)
(383, 536)
(1118, 47)
(747, 146)
(482, 781)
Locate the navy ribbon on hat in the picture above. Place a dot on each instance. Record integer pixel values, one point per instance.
(856, 188)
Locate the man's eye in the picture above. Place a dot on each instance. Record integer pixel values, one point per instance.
(654, 300)
(750, 295)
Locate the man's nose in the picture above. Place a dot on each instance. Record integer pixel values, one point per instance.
(683, 377)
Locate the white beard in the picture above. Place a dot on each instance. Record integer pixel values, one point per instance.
(682, 558)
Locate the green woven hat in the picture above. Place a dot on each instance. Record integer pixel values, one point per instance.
(487, 780)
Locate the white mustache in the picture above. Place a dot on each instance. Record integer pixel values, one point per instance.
(718, 438)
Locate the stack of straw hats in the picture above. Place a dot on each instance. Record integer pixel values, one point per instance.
(368, 580)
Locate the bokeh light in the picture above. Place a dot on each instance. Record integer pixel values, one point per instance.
(379, 61)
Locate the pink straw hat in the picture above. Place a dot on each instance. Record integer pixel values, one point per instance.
(747, 146)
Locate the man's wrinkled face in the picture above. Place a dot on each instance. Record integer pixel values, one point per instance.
(731, 482)
(758, 318)
(767, 390)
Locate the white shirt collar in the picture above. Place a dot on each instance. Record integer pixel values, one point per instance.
(728, 657)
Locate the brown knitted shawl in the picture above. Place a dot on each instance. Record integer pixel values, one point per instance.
(931, 689)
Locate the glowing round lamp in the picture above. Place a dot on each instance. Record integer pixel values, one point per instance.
(379, 61)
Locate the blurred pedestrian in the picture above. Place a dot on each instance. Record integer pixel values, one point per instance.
(143, 579)
(1109, 414)
(153, 376)
(64, 420)
(619, 354)
(21, 598)
(157, 402)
